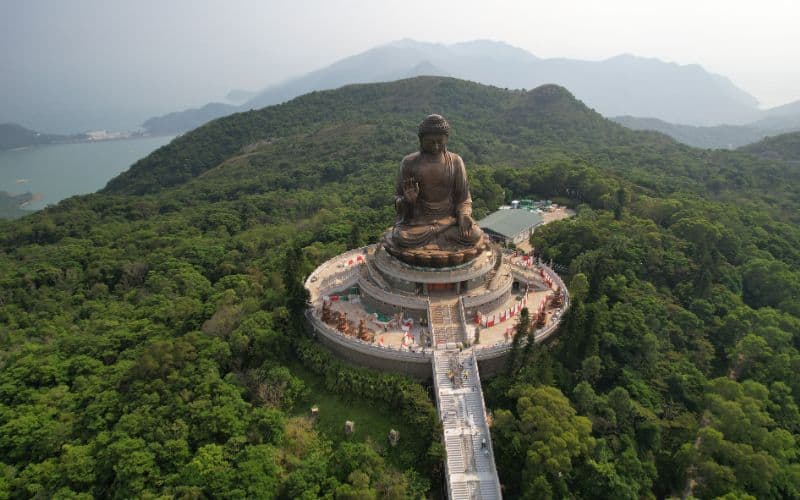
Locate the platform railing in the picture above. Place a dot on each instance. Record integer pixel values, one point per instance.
(341, 258)
(431, 329)
(349, 277)
(500, 348)
(462, 320)
(359, 345)
(338, 280)
(474, 301)
(393, 267)
(406, 301)
(485, 426)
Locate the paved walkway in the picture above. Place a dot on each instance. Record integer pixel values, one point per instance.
(469, 464)
(470, 468)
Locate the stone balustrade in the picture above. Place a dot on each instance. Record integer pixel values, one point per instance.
(424, 355)
(405, 361)
(504, 288)
(395, 299)
(393, 267)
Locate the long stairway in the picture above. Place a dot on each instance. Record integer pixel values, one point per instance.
(471, 472)
(446, 323)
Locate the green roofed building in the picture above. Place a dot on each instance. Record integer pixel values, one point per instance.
(510, 226)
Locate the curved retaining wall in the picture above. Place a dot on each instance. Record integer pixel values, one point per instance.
(334, 281)
(417, 365)
(392, 268)
(492, 359)
(489, 300)
(405, 301)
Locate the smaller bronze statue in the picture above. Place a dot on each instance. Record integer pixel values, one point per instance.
(364, 333)
(343, 325)
(558, 298)
(326, 311)
(541, 320)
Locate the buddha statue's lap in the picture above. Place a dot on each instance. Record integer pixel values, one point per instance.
(433, 203)
(442, 234)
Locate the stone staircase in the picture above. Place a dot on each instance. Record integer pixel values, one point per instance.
(471, 472)
(446, 322)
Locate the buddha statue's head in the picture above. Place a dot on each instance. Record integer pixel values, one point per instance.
(434, 131)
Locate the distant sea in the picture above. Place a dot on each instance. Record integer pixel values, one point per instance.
(59, 171)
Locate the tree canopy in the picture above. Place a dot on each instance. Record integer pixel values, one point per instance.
(149, 343)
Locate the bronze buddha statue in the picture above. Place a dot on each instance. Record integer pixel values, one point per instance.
(434, 207)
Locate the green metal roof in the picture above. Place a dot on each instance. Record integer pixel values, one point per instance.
(511, 222)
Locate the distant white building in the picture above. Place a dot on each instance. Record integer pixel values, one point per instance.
(104, 135)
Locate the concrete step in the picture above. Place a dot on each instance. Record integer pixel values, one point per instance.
(470, 465)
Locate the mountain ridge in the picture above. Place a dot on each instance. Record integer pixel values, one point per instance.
(611, 86)
(785, 147)
(549, 110)
(14, 135)
(714, 137)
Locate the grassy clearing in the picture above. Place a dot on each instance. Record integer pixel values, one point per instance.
(372, 421)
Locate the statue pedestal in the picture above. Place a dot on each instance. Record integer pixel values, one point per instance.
(388, 283)
(433, 256)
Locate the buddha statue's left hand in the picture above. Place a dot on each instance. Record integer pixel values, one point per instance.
(465, 225)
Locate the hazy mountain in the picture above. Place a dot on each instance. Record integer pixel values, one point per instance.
(622, 85)
(779, 120)
(784, 118)
(13, 135)
(541, 118)
(240, 95)
(716, 137)
(779, 124)
(780, 147)
(386, 63)
(630, 85)
(423, 68)
(181, 121)
(790, 109)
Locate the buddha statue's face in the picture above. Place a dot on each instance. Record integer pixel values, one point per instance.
(433, 143)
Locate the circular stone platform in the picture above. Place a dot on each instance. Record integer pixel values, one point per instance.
(375, 310)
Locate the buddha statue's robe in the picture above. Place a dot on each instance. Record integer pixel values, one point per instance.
(432, 221)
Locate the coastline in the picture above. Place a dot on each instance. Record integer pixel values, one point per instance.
(34, 177)
(87, 139)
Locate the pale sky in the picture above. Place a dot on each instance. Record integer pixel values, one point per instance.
(156, 56)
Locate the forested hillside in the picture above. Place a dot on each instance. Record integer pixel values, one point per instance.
(714, 137)
(150, 341)
(780, 147)
(13, 135)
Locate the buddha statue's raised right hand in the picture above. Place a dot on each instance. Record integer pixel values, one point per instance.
(410, 190)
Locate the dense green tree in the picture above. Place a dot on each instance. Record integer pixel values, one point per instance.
(546, 437)
(136, 324)
(521, 332)
(296, 293)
